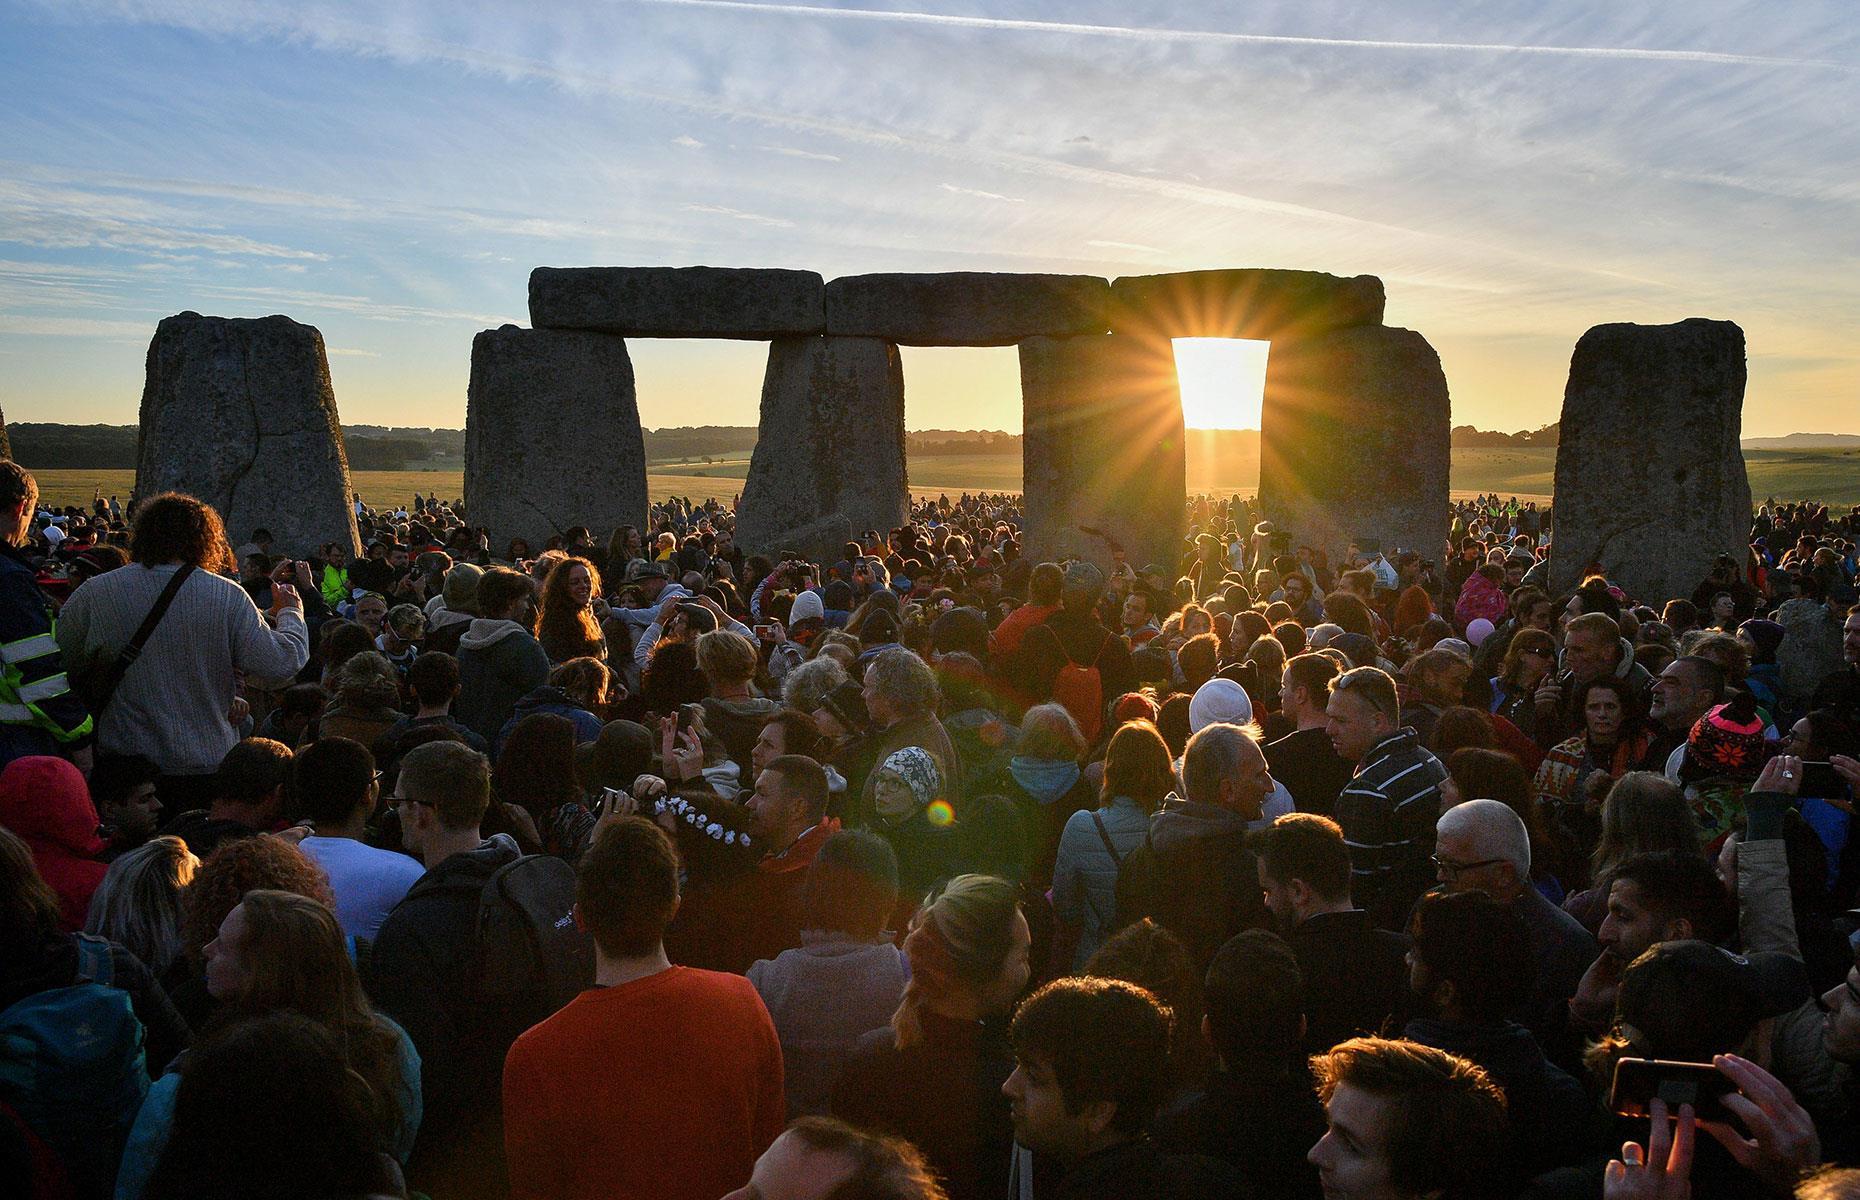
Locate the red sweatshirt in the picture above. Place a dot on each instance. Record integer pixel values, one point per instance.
(666, 1087)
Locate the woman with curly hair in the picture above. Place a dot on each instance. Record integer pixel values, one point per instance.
(238, 866)
(572, 611)
(281, 952)
(968, 952)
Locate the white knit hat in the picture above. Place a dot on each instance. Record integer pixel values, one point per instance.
(1219, 701)
(806, 605)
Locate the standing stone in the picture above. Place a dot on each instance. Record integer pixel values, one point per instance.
(967, 308)
(1244, 303)
(240, 413)
(681, 302)
(1650, 483)
(6, 444)
(1102, 450)
(552, 436)
(829, 458)
(1354, 436)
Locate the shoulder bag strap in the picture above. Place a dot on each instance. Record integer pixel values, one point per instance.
(1117, 860)
(133, 650)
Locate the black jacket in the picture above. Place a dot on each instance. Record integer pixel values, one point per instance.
(423, 972)
(1262, 1127)
(1552, 1122)
(943, 1094)
(1356, 976)
(1137, 1168)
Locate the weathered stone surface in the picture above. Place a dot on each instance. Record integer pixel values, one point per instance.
(240, 413)
(1650, 482)
(6, 445)
(967, 308)
(829, 456)
(681, 302)
(1354, 441)
(1244, 303)
(552, 436)
(1102, 449)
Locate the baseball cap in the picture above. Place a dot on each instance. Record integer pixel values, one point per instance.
(1689, 1000)
(641, 568)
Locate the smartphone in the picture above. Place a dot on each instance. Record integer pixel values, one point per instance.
(1638, 1081)
(685, 717)
(610, 799)
(765, 631)
(1820, 781)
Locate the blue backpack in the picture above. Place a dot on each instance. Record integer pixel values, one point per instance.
(72, 1068)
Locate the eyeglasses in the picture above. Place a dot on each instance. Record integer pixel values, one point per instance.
(1452, 870)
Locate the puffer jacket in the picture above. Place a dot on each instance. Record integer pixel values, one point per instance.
(1085, 874)
(44, 800)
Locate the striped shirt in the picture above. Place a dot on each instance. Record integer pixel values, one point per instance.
(1387, 812)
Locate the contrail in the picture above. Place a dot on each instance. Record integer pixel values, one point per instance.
(1217, 37)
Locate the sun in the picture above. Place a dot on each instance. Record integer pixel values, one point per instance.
(1222, 380)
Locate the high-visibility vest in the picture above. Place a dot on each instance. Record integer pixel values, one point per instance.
(26, 687)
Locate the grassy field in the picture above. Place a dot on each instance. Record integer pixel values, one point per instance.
(1829, 475)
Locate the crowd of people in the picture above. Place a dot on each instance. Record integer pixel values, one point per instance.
(647, 867)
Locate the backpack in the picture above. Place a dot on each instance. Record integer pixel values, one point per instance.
(72, 1068)
(1079, 689)
(532, 959)
(1139, 884)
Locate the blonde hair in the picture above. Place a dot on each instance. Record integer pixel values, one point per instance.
(958, 943)
(139, 901)
(725, 656)
(586, 679)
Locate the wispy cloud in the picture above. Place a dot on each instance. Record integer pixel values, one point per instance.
(63, 218)
(1139, 247)
(810, 155)
(83, 327)
(981, 195)
(345, 352)
(1219, 37)
(688, 142)
(718, 210)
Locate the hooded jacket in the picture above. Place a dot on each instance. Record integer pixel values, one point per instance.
(1201, 848)
(551, 699)
(45, 801)
(500, 662)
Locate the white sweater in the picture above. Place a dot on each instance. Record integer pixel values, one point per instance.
(172, 706)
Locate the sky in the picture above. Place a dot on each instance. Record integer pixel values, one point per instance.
(1516, 172)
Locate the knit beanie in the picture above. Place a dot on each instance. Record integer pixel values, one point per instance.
(807, 606)
(1219, 701)
(1477, 630)
(1728, 740)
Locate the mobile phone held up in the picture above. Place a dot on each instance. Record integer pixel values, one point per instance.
(1820, 781)
(1639, 1081)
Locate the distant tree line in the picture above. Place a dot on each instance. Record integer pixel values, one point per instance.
(1465, 437)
